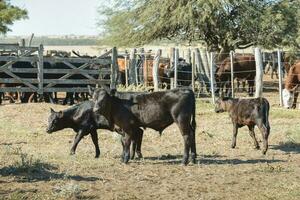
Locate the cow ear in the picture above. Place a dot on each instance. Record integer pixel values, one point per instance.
(91, 90)
(51, 110)
(60, 114)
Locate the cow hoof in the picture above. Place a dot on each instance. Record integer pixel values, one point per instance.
(97, 156)
(232, 146)
(184, 162)
(72, 153)
(264, 152)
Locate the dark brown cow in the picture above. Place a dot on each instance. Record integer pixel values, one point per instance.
(156, 110)
(292, 81)
(243, 67)
(247, 112)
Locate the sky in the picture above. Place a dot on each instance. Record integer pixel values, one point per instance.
(57, 17)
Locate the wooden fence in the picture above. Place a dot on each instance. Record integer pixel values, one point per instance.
(41, 83)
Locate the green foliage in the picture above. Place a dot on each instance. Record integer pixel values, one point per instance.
(221, 25)
(9, 14)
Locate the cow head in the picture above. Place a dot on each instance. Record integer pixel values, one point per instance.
(101, 100)
(222, 104)
(55, 122)
(288, 97)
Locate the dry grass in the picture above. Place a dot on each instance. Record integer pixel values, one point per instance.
(35, 165)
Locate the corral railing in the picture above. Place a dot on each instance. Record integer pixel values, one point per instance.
(74, 76)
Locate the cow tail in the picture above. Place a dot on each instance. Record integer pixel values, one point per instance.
(266, 109)
(193, 120)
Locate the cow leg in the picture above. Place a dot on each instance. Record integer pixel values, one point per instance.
(193, 146)
(295, 100)
(265, 131)
(252, 134)
(94, 136)
(126, 150)
(139, 143)
(186, 134)
(77, 139)
(235, 132)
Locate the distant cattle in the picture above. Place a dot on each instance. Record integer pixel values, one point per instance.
(292, 81)
(155, 110)
(243, 68)
(184, 73)
(247, 112)
(84, 121)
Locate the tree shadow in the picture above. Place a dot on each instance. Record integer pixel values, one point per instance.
(39, 171)
(289, 147)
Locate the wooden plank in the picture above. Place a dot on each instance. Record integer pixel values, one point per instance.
(212, 77)
(41, 69)
(72, 89)
(33, 58)
(280, 77)
(132, 67)
(100, 61)
(114, 69)
(176, 57)
(66, 76)
(75, 68)
(16, 89)
(232, 74)
(71, 81)
(193, 69)
(76, 71)
(23, 70)
(20, 79)
(259, 73)
(17, 47)
(15, 80)
(155, 70)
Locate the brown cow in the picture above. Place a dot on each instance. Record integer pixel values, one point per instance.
(243, 67)
(290, 93)
(247, 112)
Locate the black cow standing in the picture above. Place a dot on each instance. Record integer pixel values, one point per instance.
(84, 121)
(155, 110)
(247, 112)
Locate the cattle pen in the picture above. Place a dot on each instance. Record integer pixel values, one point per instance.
(192, 67)
(34, 79)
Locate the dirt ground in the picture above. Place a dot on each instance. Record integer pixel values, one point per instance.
(37, 165)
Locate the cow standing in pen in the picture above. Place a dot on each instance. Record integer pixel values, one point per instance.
(84, 121)
(290, 92)
(247, 112)
(156, 110)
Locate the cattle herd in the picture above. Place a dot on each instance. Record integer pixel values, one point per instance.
(131, 113)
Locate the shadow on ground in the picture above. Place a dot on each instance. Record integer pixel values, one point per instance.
(208, 160)
(289, 147)
(39, 171)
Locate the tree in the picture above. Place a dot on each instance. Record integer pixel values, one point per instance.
(221, 25)
(9, 14)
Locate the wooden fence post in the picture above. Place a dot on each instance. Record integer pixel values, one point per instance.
(193, 69)
(280, 77)
(188, 57)
(126, 70)
(212, 77)
(176, 66)
(132, 67)
(232, 74)
(114, 69)
(259, 73)
(40, 69)
(155, 72)
(172, 54)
